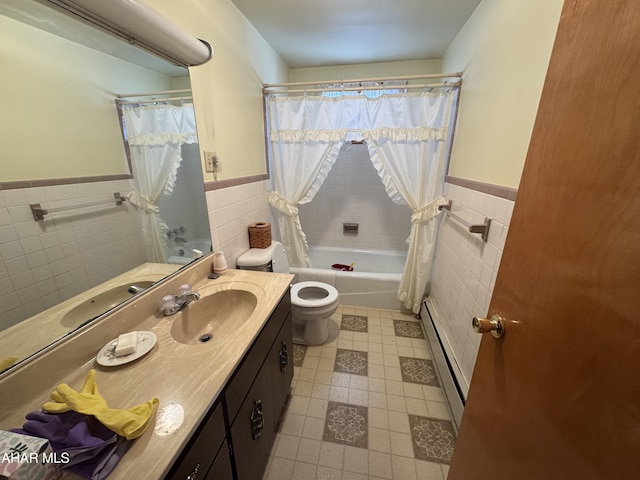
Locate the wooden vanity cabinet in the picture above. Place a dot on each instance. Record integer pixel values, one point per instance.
(253, 398)
(254, 428)
(206, 448)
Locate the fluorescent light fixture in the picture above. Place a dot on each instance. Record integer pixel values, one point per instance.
(140, 25)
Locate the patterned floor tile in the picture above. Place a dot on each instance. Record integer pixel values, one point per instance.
(418, 370)
(346, 424)
(351, 361)
(354, 323)
(433, 439)
(405, 328)
(299, 351)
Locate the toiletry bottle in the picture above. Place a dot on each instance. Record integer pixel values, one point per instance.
(219, 263)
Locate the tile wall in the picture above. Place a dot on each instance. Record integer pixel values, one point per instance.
(354, 193)
(231, 210)
(464, 273)
(43, 263)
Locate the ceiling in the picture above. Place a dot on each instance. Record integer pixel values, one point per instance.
(315, 33)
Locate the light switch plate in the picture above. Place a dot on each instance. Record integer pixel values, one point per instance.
(211, 162)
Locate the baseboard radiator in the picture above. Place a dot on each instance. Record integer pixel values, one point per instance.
(447, 367)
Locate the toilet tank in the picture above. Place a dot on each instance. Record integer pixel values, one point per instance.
(270, 259)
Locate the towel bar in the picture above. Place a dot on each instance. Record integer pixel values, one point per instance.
(482, 229)
(38, 212)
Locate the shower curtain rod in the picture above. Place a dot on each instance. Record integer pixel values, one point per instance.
(357, 89)
(267, 86)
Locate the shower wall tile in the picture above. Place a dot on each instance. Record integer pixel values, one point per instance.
(465, 270)
(66, 253)
(231, 210)
(353, 193)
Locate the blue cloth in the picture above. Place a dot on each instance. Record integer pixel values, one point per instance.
(93, 449)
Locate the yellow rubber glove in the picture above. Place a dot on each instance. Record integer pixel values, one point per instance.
(130, 423)
(7, 362)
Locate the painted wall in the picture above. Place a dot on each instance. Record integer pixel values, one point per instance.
(365, 70)
(63, 120)
(227, 90)
(504, 51)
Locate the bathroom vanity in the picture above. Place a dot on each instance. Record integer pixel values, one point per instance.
(219, 399)
(249, 410)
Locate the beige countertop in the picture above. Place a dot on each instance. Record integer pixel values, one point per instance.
(38, 331)
(185, 378)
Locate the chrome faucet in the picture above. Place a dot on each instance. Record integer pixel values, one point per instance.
(172, 304)
(175, 234)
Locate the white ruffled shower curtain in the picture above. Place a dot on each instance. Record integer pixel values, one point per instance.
(155, 136)
(406, 137)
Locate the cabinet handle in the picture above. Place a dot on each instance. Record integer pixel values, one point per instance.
(284, 357)
(192, 475)
(257, 419)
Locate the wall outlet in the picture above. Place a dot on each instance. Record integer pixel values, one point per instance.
(212, 162)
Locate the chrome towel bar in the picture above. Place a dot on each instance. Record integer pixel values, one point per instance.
(39, 212)
(482, 229)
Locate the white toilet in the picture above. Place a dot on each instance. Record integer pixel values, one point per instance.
(312, 303)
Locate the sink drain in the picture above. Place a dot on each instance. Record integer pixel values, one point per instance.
(205, 338)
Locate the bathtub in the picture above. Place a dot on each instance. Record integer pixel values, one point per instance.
(373, 283)
(182, 253)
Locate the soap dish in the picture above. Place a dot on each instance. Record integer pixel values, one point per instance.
(107, 356)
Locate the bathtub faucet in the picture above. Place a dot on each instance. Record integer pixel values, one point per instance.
(176, 232)
(172, 304)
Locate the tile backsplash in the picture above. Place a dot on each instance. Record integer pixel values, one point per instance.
(43, 263)
(464, 273)
(354, 193)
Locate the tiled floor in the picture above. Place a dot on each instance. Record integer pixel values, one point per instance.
(366, 405)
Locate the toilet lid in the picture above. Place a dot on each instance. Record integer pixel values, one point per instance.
(300, 301)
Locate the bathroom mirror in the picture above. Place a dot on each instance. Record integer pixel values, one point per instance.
(62, 148)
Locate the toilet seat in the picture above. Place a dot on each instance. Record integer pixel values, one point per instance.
(332, 295)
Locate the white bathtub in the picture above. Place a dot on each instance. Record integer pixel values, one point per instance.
(373, 283)
(182, 253)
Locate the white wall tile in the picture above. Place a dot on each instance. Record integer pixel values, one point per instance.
(33, 253)
(465, 271)
(354, 193)
(231, 211)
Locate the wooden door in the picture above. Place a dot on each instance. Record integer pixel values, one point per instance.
(558, 397)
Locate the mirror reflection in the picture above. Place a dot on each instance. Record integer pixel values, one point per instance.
(62, 149)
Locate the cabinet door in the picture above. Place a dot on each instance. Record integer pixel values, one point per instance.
(236, 390)
(198, 456)
(252, 431)
(278, 367)
(221, 468)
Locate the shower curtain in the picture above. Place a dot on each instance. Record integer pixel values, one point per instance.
(155, 134)
(406, 137)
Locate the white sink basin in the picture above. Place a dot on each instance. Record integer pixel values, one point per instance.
(224, 310)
